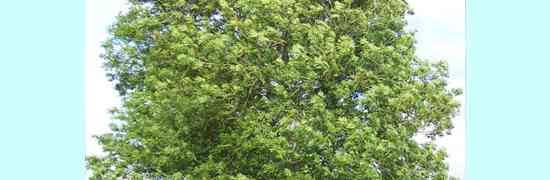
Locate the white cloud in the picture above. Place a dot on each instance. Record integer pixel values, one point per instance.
(440, 32)
(449, 13)
(440, 36)
(442, 50)
(99, 94)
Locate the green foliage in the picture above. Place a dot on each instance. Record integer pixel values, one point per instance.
(272, 89)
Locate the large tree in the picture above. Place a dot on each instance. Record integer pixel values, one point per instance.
(272, 89)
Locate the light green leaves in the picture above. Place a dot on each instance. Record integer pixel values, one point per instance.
(269, 89)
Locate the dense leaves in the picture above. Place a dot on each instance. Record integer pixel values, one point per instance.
(272, 89)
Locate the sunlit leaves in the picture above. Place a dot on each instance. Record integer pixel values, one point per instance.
(268, 89)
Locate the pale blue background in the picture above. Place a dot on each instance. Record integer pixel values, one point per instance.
(41, 90)
(508, 90)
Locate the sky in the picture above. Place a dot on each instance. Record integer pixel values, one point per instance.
(99, 93)
(440, 34)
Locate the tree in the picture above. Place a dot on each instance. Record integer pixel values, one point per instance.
(272, 89)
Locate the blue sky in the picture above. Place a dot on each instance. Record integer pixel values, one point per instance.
(440, 35)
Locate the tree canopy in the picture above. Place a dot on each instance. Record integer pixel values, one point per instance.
(272, 89)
